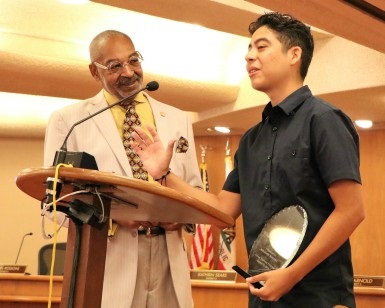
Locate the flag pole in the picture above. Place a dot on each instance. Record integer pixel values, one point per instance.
(202, 244)
(227, 235)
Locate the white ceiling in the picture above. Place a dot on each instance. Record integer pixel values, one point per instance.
(44, 51)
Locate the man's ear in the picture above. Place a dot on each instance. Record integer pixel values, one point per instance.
(94, 71)
(295, 53)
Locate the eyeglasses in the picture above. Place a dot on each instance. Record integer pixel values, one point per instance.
(116, 66)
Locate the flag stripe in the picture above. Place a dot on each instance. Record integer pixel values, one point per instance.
(227, 257)
(202, 249)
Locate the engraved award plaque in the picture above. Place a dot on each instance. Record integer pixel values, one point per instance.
(278, 242)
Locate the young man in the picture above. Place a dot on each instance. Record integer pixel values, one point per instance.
(305, 152)
(146, 263)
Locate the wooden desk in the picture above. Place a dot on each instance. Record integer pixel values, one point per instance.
(227, 295)
(23, 291)
(28, 291)
(370, 297)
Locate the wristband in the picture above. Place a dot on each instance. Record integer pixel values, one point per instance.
(163, 177)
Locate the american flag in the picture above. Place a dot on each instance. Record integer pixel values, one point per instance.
(226, 251)
(202, 249)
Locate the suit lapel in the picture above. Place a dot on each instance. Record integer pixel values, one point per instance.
(161, 120)
(108, 130)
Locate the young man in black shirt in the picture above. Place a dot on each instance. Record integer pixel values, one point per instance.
(305, 152)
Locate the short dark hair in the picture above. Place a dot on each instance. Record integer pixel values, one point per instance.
(290, 32)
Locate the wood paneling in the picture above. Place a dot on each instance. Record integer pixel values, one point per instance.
(368, 242)
(32, 292)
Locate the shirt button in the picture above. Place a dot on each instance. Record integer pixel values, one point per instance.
(275, 129)
(267, 187)
(269, 157)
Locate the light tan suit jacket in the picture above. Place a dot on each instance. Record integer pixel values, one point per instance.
(99, 137)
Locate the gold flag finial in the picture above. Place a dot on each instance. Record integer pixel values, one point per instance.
(228, 147)
(203, 152)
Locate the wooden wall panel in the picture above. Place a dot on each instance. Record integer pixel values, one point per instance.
(368, 240)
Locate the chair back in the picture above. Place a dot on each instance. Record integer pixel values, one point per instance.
(45, 258)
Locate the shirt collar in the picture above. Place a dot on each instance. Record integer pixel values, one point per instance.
(139, 98)
(290, 104)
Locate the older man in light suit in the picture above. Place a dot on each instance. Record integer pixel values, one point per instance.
(140, 271)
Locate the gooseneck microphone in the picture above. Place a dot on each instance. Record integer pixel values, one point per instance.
(60, 156)
(21, 245)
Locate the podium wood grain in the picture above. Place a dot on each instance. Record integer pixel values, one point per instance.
(132, 199)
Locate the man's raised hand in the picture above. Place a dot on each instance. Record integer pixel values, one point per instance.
(155, 158)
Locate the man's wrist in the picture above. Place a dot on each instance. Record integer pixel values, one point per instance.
(162, 178)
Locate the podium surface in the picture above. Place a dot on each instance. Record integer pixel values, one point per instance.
(131, 199)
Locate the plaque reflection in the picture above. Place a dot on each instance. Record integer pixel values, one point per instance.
(279, 240)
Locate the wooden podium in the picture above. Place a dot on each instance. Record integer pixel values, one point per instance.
(121, 197)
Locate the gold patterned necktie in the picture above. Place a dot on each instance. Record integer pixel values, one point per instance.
(131, 120)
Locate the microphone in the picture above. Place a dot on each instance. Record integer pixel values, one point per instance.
(89, 161)
(21, 245)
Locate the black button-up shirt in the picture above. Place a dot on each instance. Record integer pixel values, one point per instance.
(300, 147)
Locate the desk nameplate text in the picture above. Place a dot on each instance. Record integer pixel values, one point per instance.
(213, 275)
(369, 281)
(12, 269)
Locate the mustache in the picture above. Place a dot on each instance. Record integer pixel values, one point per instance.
(127, 80)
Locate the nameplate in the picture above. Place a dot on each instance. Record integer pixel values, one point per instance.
(369, 281)
(12, 269)
(213, 275)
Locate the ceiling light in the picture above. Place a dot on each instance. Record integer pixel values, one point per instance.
(364, 123)
(25, 108)
(74, 1)
(222, 129)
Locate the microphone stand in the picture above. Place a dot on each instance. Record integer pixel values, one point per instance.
(21, 244)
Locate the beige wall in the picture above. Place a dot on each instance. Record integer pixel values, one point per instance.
(21, 214)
